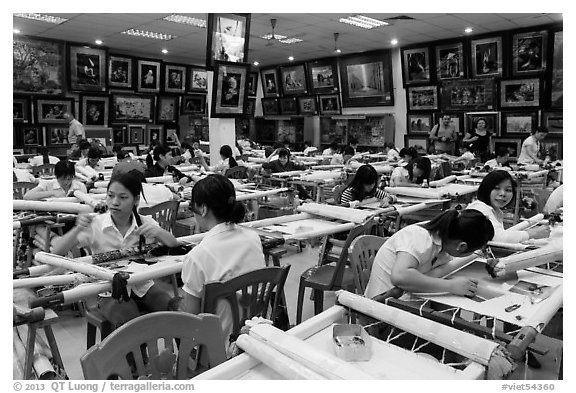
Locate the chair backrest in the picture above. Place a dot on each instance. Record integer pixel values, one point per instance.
(362, 251)
(164, 213)
(20, 188)
(150, 345)
(44, 169)
(238, 172)
(255, 289)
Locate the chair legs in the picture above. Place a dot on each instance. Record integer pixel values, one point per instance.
(318, 297)
(301, 290)
(318, 301)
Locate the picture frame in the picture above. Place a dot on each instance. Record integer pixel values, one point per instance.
(167, 109)
(372, 69)
(120, 72)
(229, 89)
(512, 144)
(38, 66)
(468, 95)
(103, 135)
(456, 119)
(87, 68)
(57, 135)
(228, 39)
(422, 98)
(416, 66)
(329, 104)
(307, 105)
(171, 132)
(529, 52)
(420, 143)
(194, 104)
(137, 134)
(270, 106)
(419, 123)
(154, 133)
(132, 108)
(551, 147)
(252, 84)
(553, 121)
(323, 76)
(174, 78)
(487, 57)
(32, 135)
(51, 110)
(288, 106)
(197, 80)
(148, 76)
(94, 110)
(516, 93)
(492, 120)
(294, 79)
(119, 135)
(519, 122)
(450, 61)
(131, 149)
(556, 89)
(270, 82)
(250, 106)
(21, 109)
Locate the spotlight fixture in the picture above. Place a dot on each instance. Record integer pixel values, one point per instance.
(256, 63)
(394, 41)
(186, 20)
(363, 21)
(43, 18)
(336, 49)
(16, 31)
(98, 42)
(291, 58)
(149, 34)
(164, 51)
(468, 30)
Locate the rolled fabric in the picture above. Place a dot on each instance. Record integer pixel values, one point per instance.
(75, 266)
(277, 220)
(85, 198)
(552, 252)
(442, 182)
(339, 212)
(259, 194)
(321, 232)
(87, 171)
(63, 279)
(527, 223)
(101, 184)
(82, 177)
(98, 190)
(64, 207)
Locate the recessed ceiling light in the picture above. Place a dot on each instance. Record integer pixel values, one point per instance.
(256, 63)
(164, 51)
(98, 42)
(16, 31)
(43, 18)
(394, 41)
(291, 58)
(149, 34)
(363, 21)
(468, 30)
(187, 20)
(338, 51)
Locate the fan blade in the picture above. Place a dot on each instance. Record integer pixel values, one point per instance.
(299, 35)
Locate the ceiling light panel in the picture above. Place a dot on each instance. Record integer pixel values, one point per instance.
(269, 36)
(363, 21)
(149, 34)
(187, 20)
(43, 18)
(290, 40)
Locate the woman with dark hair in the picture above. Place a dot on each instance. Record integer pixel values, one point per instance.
(496, 191)
(364, 185)
(227, 161)
(413, 174)
(392, 153)
(165, 158)
(226, 251)
(64, 184)
(479, 139)
(417, 256)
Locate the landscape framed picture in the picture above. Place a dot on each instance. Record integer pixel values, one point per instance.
(420, 143)
(529, 52)
(307, 105)
(120, 74)
(450, 61)
(294, 79)
(422, 98)
(270, 85)
(270, 106)
(252, 84)
(229, 89)
(553, 121)
(228, 38)
(194, 104)
(132, 108)
(167, 109)
(419, 123)
(174, 78)
(520, 93)
(52, 110)
(198, 80)
(416, 65)
(492, 120)
(32, 135)
(288, 106)
(57, 135)
(323, 76)
(468, 95)
(329, 104)
(511, 144)
(21, 109)
(87, 68)
(94, 110)
(148, 76)
(487, 57)
(519, 122)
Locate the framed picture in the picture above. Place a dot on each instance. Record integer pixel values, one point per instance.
(419, 124)
(288, 106)
(174, 78)
(293, 79)
(137, 134)
(512, 144)
(227, 39)
(155, 133)
(51, 111)
(229, 89)
(57, 135)
(422, 98)
(420, 143)
(557, 75)
(367, 79)
(119, 135)
(102, 135)
(252, 84)
(194, 104)
(132, 108)
(171, 134)
(32, 135)
(519, 122)
(329, 104)
(94, 110)
(520, 93)
(21, 109)
(450, 61)
(416, 66)
(250, 106)
(551, 147)
(167, 109)
(456, 119)
(307, 105)
(270, 106)
(131, 149)
(198, 80)
(87, 68)
(553, 121)
(487, 57)
(148, 76)
(466, 95)
(491, 119)
(270, 82)
(323, 76)
(120, 72)
(529, 52)
(38, 66)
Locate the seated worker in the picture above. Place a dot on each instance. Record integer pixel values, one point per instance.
(392, 154)
(165, 158)
(501, 160)
(346, 159)
(353, 143)
(226, 162)
(408, 154)
(121, 227)
(22, 175)
(284, 164)
(227, 250)
(465, 158)
(364, 185)
(126, 164)
(64, 185)
(331, 150)
(529, 154)
(417, 257)
(43, 157)
(152, 193)
(82, 151)
(92, 160)
(413, 174)
(309, 149)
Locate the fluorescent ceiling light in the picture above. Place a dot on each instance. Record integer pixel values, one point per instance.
(290, 40)
(394, 41)
(98, 42)
(187, 20)
(363, 21)
(149, 34)
(468, 30)
(16, 31)
(269, 36)
(291, 58)
(43, 18)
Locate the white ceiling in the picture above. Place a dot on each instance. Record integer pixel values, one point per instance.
(189, 46)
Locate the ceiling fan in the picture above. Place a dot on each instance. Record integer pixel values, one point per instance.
(336, 48)
(278, 38)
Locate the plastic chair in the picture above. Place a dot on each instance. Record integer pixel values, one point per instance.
(238, 172)
(20, 188)
(43, 170)
(362, 252)
(329, 276)
(134, 349)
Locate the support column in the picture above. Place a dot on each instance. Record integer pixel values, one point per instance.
(222, 131)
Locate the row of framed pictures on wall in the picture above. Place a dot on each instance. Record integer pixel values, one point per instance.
(324, 104)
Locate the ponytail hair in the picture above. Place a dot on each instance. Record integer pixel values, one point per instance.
(226, 152)
(469, 226)
(218, 194)
(44, 153)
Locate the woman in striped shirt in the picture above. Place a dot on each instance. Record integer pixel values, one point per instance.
(364, 185)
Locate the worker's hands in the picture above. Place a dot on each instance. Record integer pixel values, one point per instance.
(148, 230)
(539, 232)
(495, 268)
(463, 286)
(84, 220)
(353, 204)
(184, 181)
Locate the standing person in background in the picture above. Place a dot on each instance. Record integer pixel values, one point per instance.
(227, 161)
(479, 139)
(76, 130)
(531, 147)
(443, 136)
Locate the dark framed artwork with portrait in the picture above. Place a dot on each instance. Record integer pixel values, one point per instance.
(551, 147)
(288, 106)
(553, 120)
(94, 110)
(307, 105)
(294, 79)
(51, 110)
(250, 106)
(520, 93)
(198, 80)
(450, 61)
(487, 57)
(422, 98)
(329, 104)
(120, 72)
(323, 76)
(492, 120)
(557, 75)
(367, 79)
(167, 108)
(57, 135)
(228, 36)
(252, 84)
(419, 123)
(21, 109)
(270, 82)
(270, 106)
(87, 69)
(519, 122)
(529, 52)
(148, 76)
(194, 104)
(513, 145)
(132, 108)
(174, 78)
(155, 133)
(119, 134)
(416, 66)
(229, 89)
(468, 95)
(32, 135)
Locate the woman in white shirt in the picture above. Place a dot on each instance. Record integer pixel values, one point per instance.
(227, 161)
(392, 154)
(64, 185)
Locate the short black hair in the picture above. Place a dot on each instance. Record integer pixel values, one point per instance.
(64, 168)
(502, 151)
(541, 129)
(334, 146)
(218, 194)
(94, 152)
(348, 151)
(490, 181)
(283, 153)
(84, 144)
